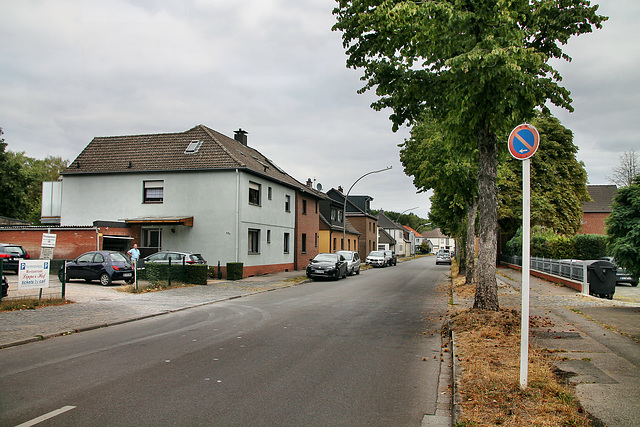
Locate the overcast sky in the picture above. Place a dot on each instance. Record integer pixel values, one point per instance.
(71, 70)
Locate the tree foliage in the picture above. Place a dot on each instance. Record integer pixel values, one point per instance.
(623, 227)
(21, 180)
(558, 182)
(478, 67)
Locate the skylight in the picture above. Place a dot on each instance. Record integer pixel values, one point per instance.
(193, 147)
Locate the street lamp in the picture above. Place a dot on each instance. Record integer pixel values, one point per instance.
(344, 206)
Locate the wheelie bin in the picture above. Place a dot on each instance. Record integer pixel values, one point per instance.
(601, 276)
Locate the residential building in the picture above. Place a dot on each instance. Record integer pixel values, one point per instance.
(359, 215)
(197, 190)
(397, 232)
(335, 228)
(438, 241)
(596, 211)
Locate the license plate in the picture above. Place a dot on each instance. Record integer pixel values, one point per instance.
(127, 275)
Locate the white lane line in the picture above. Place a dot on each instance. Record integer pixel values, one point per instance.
(46, 416)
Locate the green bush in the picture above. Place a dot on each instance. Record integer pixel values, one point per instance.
(193, 274)
(589, 246)
(234, 270)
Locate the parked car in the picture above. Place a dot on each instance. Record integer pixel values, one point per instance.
(176, 257)
(376, 259)
(105, 266)
(331, 266)
(390, 258)
(11, 255)
(622, 275)
(443, 257)
(353, 261)
(5, 287)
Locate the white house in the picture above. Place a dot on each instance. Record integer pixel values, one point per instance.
(197, 191)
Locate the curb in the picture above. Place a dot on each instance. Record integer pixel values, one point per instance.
(37, 338)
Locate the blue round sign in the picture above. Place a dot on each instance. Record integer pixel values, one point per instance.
(524, 141)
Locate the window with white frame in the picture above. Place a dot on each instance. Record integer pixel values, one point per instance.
(153, 191)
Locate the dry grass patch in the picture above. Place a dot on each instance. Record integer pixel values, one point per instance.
(31, 303)
(488, 345)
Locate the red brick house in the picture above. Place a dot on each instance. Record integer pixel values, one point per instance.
(596, 211)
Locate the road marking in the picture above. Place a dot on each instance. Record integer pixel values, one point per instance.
(46, 416)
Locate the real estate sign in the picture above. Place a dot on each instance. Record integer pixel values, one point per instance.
(33, 274)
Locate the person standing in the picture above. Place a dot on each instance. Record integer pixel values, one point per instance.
(134, 253)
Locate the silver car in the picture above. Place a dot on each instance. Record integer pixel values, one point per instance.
(176, 257)
(353, 261)
(443, 257)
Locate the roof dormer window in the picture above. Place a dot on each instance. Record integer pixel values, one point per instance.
(193, 147)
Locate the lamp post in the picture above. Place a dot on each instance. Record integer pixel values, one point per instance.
(344, 206)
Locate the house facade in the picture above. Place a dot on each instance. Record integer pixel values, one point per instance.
(359, 215)
(336, 232)
(397, 232)
(438, 241)
(197, 191)
(595, 212)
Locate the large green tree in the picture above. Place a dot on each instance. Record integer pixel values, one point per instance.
(21, 180)
(479, 67)
(440, 165)
(558, 182)
(623, 227)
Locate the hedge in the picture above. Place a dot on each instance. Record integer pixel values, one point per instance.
(547, 244)
(193, 274)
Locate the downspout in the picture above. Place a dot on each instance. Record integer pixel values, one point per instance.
(237, 243)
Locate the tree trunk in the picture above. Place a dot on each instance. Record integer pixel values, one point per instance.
(486, 288)
(470, 243)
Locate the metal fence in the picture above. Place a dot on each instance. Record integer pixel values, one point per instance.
(567, 268)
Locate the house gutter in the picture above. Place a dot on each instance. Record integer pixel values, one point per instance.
(237, 243)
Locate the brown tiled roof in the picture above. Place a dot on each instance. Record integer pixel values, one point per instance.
(432, 234)
(166, 153)
(602, 196)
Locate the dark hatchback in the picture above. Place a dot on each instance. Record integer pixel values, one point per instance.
(11, 255)
(330, 266)
(105, 266)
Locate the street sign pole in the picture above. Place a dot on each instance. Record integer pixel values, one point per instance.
(526, 271)
(523, 143)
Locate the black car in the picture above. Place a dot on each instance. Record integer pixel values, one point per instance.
(390, 258)
(332, 266)
(5, 287)
(11, 255)
(622, 275)
(105, 266)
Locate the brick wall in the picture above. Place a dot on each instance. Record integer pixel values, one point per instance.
(593, 223)
(307, 223)
(70, 242)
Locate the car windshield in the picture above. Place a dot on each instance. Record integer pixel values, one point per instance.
(376, 253)
(347, 255)
(118, 257)
(326, 257)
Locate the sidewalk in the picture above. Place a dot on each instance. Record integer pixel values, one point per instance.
(597, 342)
(97, 306)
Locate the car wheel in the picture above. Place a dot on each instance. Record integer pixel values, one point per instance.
(634, 284)
(129, 281)
(358, 271)
(105, 279)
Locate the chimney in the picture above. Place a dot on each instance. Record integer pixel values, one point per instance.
(340, 189)
(241, 136)
(309, 183)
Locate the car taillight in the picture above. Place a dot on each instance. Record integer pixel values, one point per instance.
(26, 256)
(5, 256)
(115, 267)
(191, 262)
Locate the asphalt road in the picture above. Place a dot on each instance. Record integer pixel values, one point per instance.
(360, 351)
